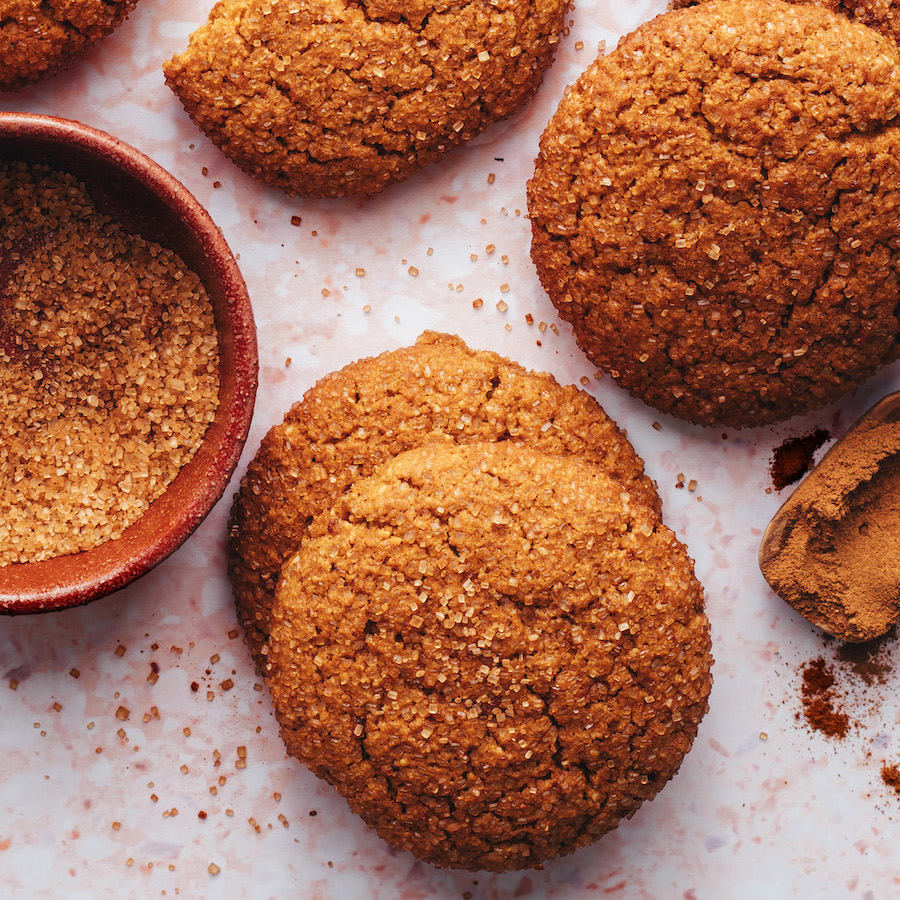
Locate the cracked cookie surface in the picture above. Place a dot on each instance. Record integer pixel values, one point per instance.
(716, 210)
(42, 37)
(882, 15)
(492, 653)
(357, 418)
(336, 97)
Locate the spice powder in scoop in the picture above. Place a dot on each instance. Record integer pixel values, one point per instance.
(833, 549)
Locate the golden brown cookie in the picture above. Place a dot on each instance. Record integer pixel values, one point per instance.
(328, 98)
(882, 15)
(716, 210)
(355, 419)
(491, 653)
(42, 37)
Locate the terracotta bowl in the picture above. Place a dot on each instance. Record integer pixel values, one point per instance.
(148, 201)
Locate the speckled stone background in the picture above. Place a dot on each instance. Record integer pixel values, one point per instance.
(139, 753)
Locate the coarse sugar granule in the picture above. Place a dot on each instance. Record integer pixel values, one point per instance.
(110, 368)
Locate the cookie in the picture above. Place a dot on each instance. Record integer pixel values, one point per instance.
(355, 419)
(882, 15)
(328, 98)
(491, 653)
(42, 37)
(716, 210)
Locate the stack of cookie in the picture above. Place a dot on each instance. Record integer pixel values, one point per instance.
(453, 574)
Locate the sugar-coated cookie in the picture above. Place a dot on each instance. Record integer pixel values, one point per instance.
(492, 653)
(359, 417)
(42, 37)
(716, 210)
(328, 98)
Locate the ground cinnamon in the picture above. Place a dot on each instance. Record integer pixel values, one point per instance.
(794, 458)
(833, 549)
(820, 706)
(870, 662)
(890, 775)
(846, 695)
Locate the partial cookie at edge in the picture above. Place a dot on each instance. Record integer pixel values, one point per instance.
(881, 15)
(41, 39)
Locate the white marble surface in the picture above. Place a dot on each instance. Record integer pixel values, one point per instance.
(94, 805)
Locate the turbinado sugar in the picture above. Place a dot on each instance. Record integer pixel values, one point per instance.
(110, 368)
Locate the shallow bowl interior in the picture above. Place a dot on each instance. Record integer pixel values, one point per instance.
(148, 201)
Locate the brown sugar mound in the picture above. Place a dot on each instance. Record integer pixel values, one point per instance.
(42, 37)
(328, 98)
(882, 15)
(491, 653)
(716, 210)
(356, 419)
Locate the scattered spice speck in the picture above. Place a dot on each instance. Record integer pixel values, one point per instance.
(890, 775)
(821, 708)
(794, 458)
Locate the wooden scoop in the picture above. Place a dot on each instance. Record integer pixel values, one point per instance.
(833, 549)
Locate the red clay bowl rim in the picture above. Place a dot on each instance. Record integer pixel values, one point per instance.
(79, 578)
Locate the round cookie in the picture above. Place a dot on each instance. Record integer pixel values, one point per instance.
(355, 419)
(716, 210)
(328, 98)
(42, 37)
(882, 15)
(491, 653)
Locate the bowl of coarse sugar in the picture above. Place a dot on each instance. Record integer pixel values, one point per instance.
(129, 360)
